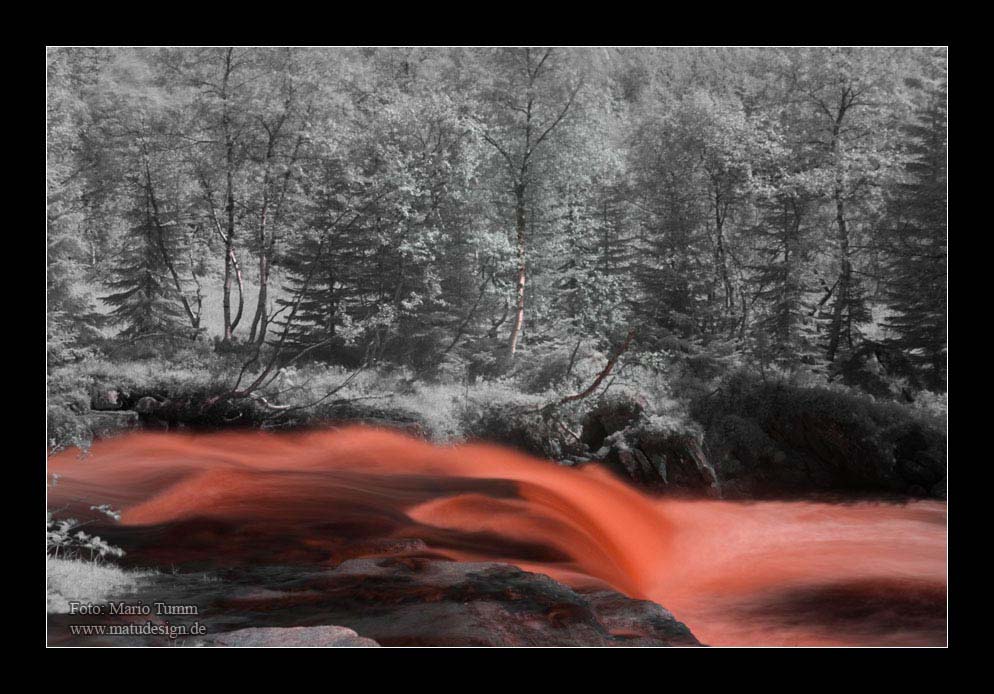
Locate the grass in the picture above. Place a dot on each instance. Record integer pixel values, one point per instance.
(442, 406)
(87, 581)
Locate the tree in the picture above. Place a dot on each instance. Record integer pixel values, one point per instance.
(138, 119)
(729, 202)
(783, 331)
(916, 238)
(848, 128)
(529, 96)
(248, 133)
(76, 190)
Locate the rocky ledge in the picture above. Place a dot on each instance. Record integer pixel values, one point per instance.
(392, 601)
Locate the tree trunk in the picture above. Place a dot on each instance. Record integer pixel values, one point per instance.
(261, 321)
(229, 201)
(845, 266)
(241, 290)
(845, 278)
(266, 246)
(229, 254)
(520, 289)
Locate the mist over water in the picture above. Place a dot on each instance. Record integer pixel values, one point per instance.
(756, 573)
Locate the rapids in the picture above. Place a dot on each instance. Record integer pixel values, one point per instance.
(753, 573)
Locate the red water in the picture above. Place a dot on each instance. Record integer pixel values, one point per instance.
(762, 573)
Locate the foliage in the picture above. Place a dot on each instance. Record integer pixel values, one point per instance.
(410, 212)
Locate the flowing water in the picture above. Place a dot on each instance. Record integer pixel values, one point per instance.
(737, 573)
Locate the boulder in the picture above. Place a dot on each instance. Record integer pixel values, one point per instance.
(415, 601)
(625, 617)
(409, 600)
(661, 459)
(679, 461)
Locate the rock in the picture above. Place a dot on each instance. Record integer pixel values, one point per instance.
(683, 462)
(649, 471)
(146, 405)
(418, 601)
(628, 618)
(411, 600)
(661, 460)
(292, 637)
(620, 457)
(106, 399)
(610, 415)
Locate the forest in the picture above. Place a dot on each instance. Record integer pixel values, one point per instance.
(712, 274)
(464, 214)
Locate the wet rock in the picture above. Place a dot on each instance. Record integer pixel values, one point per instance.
(416, 601)
(634, 620)
(619, 456)
(648, 469)
(393, 601)
(661, 459)
(292, 637)
(659, 463)
(680, 461)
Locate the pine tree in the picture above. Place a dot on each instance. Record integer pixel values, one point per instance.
(783, 329)
(147, 302)
(73, 173)
(917, 276)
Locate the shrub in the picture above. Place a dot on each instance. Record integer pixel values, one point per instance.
(828, 438)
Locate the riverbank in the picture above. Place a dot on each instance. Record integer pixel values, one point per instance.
(737, 436)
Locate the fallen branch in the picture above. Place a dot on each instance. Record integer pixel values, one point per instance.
(282, 410)
(605, 372)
